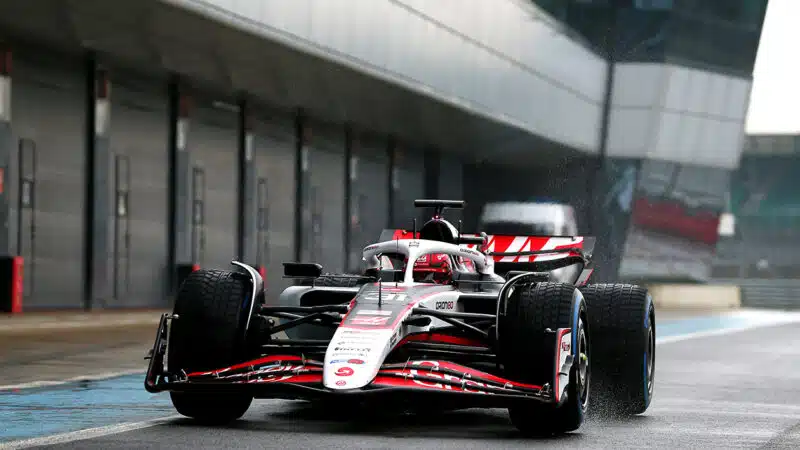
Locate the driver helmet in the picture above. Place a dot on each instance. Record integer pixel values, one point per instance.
(433, 268)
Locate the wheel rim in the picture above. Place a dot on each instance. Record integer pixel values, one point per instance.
(651, 356)
(583, 365)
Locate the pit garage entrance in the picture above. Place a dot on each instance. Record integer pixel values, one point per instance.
(48, 192)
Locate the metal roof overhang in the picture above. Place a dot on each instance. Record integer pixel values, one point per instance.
(160, 38)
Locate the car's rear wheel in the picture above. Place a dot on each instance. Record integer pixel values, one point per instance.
(623, 325)
(528, 351)
(213, 307)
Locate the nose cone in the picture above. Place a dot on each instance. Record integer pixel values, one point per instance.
(354, 357)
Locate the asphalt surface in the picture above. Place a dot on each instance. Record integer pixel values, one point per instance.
(739, 390)
(49, 356)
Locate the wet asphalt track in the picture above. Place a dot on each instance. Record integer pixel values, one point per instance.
(739, 390)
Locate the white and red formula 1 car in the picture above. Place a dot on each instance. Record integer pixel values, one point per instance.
(437, 318)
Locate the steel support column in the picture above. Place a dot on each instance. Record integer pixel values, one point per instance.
(99, 190)
(246, 189)
(6, 149)
(350, 178)
(302, 135)
(393, 179)
(179, 178)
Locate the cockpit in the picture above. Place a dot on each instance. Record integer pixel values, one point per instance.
(434, 268)
(435, 250)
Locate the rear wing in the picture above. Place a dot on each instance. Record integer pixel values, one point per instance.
(527, 253)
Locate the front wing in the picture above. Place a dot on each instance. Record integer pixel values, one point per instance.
(295, 377)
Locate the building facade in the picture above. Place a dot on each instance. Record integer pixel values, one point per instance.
(678, 84)
(141, 138)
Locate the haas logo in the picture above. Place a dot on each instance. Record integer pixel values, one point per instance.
(344, 372)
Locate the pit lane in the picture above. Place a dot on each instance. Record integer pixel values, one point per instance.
(738, 390)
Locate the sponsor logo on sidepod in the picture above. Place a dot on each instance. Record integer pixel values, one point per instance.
(348, 361)
(373, 312)
(352, 349)
(369, 320)
(447, 305)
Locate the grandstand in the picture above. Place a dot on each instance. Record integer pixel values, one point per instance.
(765, 199)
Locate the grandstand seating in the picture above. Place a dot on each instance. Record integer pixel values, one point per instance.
(766, 187)
(765, 198)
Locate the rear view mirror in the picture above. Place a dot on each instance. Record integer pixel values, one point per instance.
(302, 270)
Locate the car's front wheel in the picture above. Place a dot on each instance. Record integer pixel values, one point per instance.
(528, 351)
(212, 308)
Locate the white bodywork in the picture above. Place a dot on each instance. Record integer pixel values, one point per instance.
(362, 343)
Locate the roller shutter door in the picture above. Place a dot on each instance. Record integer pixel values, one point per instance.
(212, 144)
(409, 185)
(323, 199)
(369, 199)
(47, 228)
(139, 144)
(275, 161)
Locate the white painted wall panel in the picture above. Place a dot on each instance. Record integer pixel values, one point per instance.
(696, 93)
(484, 56)
(738, 98)
(667, 129)
(691, 116)
(637, 85)
(630, 131)
(675, 86)
(717, 95)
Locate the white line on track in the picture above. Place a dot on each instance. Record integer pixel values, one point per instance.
(770, 319)
(96, 377)
(90, 433)
(759, 319)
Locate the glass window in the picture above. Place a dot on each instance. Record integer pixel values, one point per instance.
(653, 4)
(711, 44)
(745, 12)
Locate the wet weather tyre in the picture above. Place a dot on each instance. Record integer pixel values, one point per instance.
(211, 409)
(527, 350)
(623, 323)
(213, 307)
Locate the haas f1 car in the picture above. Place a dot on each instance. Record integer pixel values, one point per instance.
(436, 318)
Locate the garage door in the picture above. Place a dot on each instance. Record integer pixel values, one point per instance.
(409, 185)
(369, 196)
(212, 144)
(323, 199)
(49, 113)
(139, 138)
(275, 151)
(451, 184)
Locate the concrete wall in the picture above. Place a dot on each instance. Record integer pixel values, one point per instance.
(695, 297)
(503, 59)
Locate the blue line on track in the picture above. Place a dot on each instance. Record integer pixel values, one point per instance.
(35, 412)
(669, 328)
